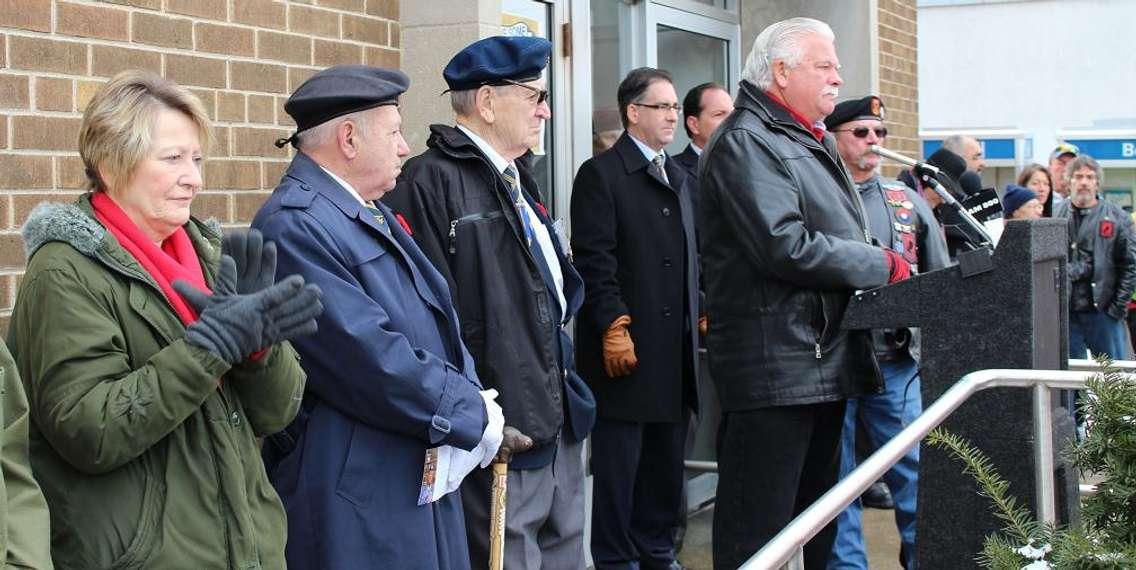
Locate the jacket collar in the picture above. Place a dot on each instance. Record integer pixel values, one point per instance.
(633, 160)
(754, 99)
(312, 177)
(75, 224)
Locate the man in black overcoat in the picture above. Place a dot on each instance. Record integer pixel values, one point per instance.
(637, 332)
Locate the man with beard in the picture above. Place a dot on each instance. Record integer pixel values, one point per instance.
(969, 149)
(1102, 264)
(785, 244)
(900, 220)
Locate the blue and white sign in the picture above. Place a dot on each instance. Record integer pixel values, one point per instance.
(992, 149)
(1107, 149)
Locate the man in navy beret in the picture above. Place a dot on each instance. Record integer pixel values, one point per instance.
(475, 211)
(900, 220)
(392, 391)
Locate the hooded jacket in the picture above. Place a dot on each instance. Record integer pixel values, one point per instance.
(146, 461)
(24, 534)
(459, 210)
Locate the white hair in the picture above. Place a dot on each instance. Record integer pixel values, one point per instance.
(323, 133)
(464, 102)
(781, 40)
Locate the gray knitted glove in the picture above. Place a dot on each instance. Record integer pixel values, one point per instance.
(255, 259)
(233, 326)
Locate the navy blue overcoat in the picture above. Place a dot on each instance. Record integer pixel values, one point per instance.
(388, 378)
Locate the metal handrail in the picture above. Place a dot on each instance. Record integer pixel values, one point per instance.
(789, 542)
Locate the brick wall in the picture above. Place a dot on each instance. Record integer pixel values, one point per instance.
(241, 57)
(899, 87)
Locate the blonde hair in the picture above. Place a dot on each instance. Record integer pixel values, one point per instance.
(119, 122)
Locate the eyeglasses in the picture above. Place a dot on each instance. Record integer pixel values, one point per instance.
(862, 132)
(661, 106)
(541, 94)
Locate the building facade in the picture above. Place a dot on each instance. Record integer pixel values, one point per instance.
(241, 57)
(1024, 75)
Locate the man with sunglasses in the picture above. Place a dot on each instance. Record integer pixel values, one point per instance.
(637, 335)
(900, 220)
(475, 211)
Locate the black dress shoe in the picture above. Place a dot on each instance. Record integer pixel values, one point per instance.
(878, 496)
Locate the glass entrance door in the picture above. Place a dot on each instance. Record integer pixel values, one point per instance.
(694, 50)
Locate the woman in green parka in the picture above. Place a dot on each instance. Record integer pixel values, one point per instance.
(23, 512)
(152, 360)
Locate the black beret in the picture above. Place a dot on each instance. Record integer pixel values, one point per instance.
(492, 60)
(339, 90)
(869, 107)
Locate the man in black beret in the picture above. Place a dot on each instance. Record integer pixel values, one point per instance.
(900, 220)
(392, 394)
(476, 213)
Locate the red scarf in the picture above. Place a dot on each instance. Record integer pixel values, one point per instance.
(817, 132)
(176, 259)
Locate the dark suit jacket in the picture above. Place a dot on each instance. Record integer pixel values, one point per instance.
(634, 245)
(388, 378)
(688, 159)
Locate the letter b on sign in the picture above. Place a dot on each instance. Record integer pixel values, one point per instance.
(1128, 150)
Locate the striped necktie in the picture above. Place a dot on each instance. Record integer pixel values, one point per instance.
(379, 217)
(510, 176)
(657, 167)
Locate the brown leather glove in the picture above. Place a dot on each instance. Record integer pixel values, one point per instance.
(513, 442)
(619, 349)
(703, 325)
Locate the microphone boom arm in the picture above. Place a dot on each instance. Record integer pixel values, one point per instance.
(928, 174)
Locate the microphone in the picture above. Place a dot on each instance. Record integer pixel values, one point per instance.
(930, 174)
(923, 167)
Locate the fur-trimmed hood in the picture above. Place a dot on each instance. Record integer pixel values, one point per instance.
(52, 221)
(75, 225)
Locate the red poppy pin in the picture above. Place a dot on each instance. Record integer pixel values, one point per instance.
(405, 226)
(1106, 228)
(542, 209)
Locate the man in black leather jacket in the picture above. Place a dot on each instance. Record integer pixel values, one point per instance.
(785, 243)
(1102, 264)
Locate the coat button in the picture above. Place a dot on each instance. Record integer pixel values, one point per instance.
(666, 211)
(666, 310)
(666, 262)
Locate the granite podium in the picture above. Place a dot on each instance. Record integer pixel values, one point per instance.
(1006, 310)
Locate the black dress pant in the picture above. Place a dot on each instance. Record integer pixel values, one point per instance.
(637, 476)
(774, 463)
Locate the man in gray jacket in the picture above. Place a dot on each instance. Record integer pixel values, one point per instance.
(899, 219)
(785, 243)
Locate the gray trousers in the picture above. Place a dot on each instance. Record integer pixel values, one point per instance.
(544, 516)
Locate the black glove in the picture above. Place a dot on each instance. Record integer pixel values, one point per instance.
(233, 326)
(255, 259)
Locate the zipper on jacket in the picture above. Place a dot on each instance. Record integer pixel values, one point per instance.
(468, 218)
(823, 328)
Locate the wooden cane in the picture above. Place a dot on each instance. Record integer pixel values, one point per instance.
(497, 516)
